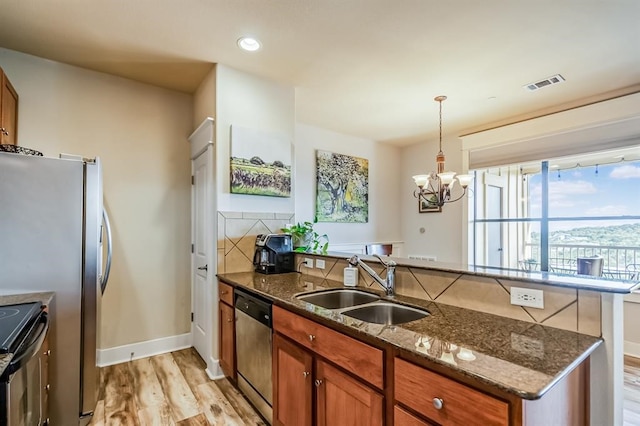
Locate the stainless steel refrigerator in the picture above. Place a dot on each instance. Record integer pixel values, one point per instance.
(51, 231)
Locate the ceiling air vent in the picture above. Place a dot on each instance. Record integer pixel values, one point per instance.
(544, 83)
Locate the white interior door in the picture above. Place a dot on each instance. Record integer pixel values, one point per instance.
(201, 268)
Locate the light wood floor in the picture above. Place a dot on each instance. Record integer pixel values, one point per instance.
(631, 391)
(169, 389)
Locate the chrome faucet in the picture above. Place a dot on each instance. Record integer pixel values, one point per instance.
(389, 283)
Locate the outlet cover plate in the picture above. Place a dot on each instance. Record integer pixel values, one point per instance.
(308, 262)
(527, 297)
(320, 263)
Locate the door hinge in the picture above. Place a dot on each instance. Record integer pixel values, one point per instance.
(192, 248)
(191, 316)
(193, 180)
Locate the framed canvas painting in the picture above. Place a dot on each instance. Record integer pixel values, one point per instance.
(428, 204)
(260, 163)
(342, 188)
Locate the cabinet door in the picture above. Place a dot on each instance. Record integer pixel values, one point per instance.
(342, 400)
(8, 112)
(227, 340)
(292, 396)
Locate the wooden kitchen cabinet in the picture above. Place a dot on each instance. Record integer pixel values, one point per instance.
(443, 400)
(336, 395)
(227, 331)
(8, 112)
(360, 359)
(402, 417)
(293, 380)
(342, 400)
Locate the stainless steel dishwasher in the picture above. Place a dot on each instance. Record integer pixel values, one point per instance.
(253, 350)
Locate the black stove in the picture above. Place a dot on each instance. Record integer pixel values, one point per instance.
(14, 323)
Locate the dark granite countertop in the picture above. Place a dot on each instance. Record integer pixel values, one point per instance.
(14, 299)
(518, 357)
(582, 282)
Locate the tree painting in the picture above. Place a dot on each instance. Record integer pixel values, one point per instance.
(343, 188)
(260, 163)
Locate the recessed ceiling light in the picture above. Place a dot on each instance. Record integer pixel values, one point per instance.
(249, 43)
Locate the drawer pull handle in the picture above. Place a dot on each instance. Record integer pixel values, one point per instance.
(318, 383)
(312, 337)
(438, 403)
(229, 320)
(305, 374)
(223, 292)
(47, 352)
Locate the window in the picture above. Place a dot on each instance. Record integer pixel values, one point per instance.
(557, 215)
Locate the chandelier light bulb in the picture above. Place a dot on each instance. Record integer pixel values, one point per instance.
(446, 177)
(465, 180)
(421, 180)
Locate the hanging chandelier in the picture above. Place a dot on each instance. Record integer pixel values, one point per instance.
(435, 188)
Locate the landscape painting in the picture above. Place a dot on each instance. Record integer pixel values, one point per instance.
(342, 188)
(260, 163)
(428, 203)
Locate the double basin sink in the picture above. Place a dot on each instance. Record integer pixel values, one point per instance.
(364, 306)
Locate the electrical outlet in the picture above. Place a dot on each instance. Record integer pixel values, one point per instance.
(319, 263)
(527, 297)
(308, 262)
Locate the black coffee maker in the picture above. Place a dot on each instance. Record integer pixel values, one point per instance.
(274, 254)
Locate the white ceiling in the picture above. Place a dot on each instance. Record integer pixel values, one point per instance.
(368, 68)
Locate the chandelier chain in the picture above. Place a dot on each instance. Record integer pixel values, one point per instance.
(440, 101)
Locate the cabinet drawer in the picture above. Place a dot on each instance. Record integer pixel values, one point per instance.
(225, 292)
(354, 356)
(404, 418)
(417, 388)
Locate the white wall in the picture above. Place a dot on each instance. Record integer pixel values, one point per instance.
(384, 177)
(204, 99)
(631, 329)
(443, 231)
(249, 101)
(140, 133)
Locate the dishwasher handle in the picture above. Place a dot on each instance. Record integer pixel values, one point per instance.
(255, 307)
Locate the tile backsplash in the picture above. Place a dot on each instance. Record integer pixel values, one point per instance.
(237, 233)
(565, 308)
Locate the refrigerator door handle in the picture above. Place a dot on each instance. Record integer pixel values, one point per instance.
(107, 268)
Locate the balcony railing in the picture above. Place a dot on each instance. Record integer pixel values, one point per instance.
(619, 262)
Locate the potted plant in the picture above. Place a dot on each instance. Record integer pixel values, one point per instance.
(306, 240)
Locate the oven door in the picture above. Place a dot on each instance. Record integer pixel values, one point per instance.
(22, 392)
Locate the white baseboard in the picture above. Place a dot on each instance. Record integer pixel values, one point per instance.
(213, 369)
(632, 349)
(139, 350)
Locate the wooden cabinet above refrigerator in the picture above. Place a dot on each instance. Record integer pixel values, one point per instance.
(8, 112)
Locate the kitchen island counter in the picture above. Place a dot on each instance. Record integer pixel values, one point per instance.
(521, 358)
